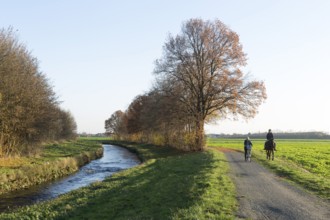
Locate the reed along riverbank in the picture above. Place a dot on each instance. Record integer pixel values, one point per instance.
(54, 161)
(168, 185)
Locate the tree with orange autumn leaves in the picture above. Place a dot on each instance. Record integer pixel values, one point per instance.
(198, 78)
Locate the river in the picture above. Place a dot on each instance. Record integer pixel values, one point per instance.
(114, 159)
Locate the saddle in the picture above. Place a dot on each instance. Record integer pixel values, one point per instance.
(270, 144)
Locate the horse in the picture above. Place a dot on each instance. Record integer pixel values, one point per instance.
(270, 147)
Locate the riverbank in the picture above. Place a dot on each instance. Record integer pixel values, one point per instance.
(168, 185)
(55, 160)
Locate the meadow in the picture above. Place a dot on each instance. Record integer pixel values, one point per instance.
(305, 162)
(168, 185)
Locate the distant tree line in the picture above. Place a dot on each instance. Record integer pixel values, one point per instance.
(29, 109)
(277, 135)
(198, 79)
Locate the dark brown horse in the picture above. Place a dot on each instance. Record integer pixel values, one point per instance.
(270, 147)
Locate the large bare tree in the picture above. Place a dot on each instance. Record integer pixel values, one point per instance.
(202, 66)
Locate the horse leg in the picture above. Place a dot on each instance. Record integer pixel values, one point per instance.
(272, 154)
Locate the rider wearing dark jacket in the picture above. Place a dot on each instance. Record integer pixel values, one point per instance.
(270, 135)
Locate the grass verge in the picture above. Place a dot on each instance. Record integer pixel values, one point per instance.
(168, 185)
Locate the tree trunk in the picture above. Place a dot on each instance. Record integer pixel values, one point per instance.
(199, 136)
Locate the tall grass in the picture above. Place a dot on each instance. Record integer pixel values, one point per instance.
(56, 160)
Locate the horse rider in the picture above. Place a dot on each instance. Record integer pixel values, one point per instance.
(270, 135)
(247, 146)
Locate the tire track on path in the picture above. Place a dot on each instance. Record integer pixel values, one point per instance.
(263, 195)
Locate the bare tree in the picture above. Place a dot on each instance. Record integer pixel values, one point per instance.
(29, 111)
(164, 117)
(202, 67)
(68, 129)
(115, 124)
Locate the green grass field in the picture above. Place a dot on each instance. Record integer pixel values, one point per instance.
(306, 162)
(168, 185)
(53, 161)
(176, 185)
(51, 152)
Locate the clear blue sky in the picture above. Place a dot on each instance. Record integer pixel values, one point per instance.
(99, 55)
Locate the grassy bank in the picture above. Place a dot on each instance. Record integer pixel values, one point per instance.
(305, 162)
(54, 161)
(168, 185)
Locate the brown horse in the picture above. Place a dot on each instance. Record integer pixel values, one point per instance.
(270, 147)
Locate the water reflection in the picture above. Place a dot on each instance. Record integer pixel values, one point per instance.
(114, 159)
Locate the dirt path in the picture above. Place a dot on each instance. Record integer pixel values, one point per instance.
(263, 195)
